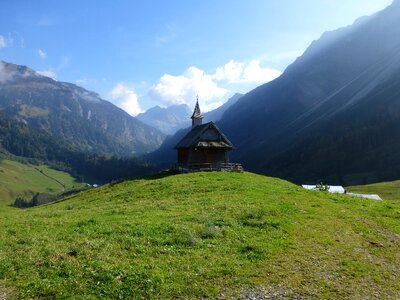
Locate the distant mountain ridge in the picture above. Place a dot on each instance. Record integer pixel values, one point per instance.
(72, 114)
(169, 120)
(320, 118)
(216, 114)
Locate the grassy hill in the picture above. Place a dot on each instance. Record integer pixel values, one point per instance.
(24, 180)
(203, 235)
(387, 190)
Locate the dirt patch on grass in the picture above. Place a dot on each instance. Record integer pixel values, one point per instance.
(273, 291)
(5, 293)
(266, 292)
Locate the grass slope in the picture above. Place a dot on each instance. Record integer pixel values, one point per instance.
(387, 190)
(203, 235)
(23, 180)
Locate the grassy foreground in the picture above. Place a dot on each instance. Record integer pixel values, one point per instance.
(24, 180)
(203, 235)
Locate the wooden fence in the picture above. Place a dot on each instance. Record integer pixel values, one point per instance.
(222, 167)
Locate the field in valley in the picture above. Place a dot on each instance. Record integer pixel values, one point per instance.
(19, 179)
(386, 190)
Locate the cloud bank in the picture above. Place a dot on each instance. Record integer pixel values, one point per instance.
(211, 88)
(172, 90)
(239, 72)
(126, 98)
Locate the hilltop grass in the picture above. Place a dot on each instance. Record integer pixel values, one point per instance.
(387, 190)
(203, 235)
(24, 180)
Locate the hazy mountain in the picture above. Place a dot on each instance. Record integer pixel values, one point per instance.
(72, 114)
(216, 114)
(333, 114)
(167, 120)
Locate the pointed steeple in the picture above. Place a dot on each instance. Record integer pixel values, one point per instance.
(197, 117)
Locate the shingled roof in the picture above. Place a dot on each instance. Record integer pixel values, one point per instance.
(194, 138)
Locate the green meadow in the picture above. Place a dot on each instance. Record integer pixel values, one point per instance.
(19, 179)
(386, 190)
(202, 235)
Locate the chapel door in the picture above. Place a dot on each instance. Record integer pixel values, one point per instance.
(209, 156)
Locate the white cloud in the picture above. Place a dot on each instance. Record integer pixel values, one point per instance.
(239, 72)
(6, 41)
(48, 73)
(126, 98)
(232, 72)
(253, 72)
(9, 71)
(205, 107)
(211, 88)
(171, 90)
(5, 74)
(42, 54)
(3, 43)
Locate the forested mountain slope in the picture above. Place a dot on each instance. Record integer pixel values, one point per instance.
(72, 114)
(333, 114)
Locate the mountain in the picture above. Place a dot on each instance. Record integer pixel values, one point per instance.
(333, 115)
(71, 114)
(216, 114)
(167, 120)
(21, 143)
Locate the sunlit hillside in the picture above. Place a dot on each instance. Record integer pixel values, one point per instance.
(202, 235)
(23, 180)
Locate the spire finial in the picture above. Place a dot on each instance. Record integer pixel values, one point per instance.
(197, 116)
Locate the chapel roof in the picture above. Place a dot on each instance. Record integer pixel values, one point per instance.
(194, 138)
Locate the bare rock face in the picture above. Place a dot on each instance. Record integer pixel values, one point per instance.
(70, 113)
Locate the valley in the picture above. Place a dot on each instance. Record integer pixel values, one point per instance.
(23, 180)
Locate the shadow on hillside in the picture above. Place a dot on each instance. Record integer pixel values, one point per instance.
(159, 175)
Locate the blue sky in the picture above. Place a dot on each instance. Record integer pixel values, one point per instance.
(138, 54)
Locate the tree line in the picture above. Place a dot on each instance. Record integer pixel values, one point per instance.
(20, 140)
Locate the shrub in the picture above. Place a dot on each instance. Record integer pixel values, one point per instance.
(322, 187)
